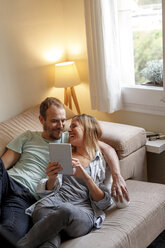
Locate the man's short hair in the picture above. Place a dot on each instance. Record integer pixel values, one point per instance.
(47, 103)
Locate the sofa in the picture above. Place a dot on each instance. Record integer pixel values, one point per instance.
(135, 226)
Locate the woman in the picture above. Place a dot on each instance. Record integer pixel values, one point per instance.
(77, 202)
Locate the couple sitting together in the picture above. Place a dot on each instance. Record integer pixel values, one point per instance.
(70, 205)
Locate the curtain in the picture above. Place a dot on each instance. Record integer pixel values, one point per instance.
(110, 51)
(101, 18)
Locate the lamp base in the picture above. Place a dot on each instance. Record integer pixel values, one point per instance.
(69, 95)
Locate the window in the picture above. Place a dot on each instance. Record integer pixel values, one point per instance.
(147, 41)
(110, 34)
(145, 25)
(140, 31)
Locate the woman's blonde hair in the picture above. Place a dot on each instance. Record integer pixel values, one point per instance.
(92, 132)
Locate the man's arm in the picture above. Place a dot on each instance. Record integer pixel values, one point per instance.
(9, 158)
(119, 187)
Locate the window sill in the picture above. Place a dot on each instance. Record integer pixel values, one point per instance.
(144, 99)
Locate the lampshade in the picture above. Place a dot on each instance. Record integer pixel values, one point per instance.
(66, 75)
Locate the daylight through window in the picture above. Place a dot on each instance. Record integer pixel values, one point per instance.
(146, 22)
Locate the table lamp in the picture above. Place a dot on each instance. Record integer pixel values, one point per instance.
(66, 76)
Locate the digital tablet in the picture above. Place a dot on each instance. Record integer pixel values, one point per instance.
(62, 153)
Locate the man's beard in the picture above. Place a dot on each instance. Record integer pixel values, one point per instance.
(54, 137)
(50, 132)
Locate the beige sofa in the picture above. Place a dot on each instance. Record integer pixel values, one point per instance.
(133, 227)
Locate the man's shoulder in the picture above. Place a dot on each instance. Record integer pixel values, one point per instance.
(29, 133)
(26, 135)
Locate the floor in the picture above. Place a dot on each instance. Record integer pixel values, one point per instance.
(159, 242)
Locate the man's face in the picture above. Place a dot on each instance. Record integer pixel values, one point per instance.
(54, 124)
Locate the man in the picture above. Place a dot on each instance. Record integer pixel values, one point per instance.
(29, 155)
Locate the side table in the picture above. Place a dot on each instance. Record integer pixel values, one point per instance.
(156, 160)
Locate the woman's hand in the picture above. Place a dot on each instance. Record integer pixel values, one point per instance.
(52, 171)
(79, 170)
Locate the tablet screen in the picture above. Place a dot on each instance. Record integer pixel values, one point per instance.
(62, 153)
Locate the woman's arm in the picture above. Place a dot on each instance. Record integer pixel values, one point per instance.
(119, 188)
(52, 173)
(96, 193)
(52, 182)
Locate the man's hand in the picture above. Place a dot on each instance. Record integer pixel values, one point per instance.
(119, 188)
(52, 172)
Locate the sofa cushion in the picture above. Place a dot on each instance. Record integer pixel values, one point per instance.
(125, 139)
(27, 120)
(133, 227)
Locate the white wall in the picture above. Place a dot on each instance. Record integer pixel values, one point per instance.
(29, 30)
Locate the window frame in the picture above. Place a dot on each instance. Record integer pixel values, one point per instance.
(146, 99)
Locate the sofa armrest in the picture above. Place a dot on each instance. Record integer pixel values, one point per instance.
(125, 139)
(129, 143)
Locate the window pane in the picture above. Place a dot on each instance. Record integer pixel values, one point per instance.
(147, 39)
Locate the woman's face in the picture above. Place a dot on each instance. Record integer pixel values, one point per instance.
(76, 133)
